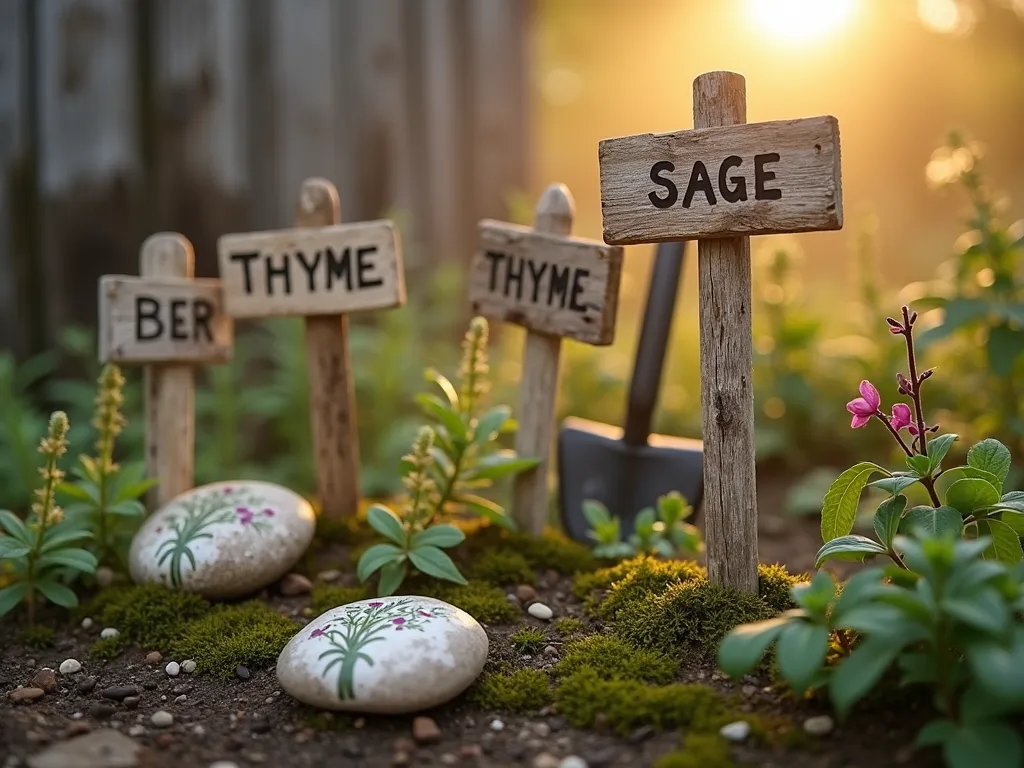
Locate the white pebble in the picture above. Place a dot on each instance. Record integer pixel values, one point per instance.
(573, 761)
(137, 730)
(188, 666)
(198, 730)
(223, 764)
(87, 623)
(818, 726)
(540, 611)
(172, 669)
(109, 632)
(162, 719)
(77, 715)
(181, 699)
(70, 666)
(497, 725)
(104, 576)
(737, 731)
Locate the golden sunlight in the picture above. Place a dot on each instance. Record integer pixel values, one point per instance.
(801, 20)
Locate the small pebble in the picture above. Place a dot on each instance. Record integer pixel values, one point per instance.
(181, 699)
(70, 666)
(109, 632)
(295, 584)
(737, 731)
(198, 731)
(164, 740)
(119, 692)
(87, 623)
(86, 685)
(162, 719)
(45, 679)
(525, 593)
(545, 760)
(573, 761)
(188, 667)
(497, 725)
(26, 694)
(749, 690)
(137, 730)
(550, 650)
(542, 729)
(172, 669)
(329, 575)
(471, 751)
(449, 759)
(149, 685)
(819, 725)
(540, 611)
(77, 728)
(425, 730)
(101, 710)
(223, 764)
(131, 702)
(242, 672)
(104, 576)
(154, 657)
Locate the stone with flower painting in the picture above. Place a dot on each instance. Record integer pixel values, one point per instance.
(223, 540)
(387, 655)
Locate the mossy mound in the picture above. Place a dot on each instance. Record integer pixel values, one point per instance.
(569, 626)
(774, 584)
(525, 690)
(36, 638)
(551, 551)
(528, 639)
(324, 597)
(484, 602)
(699, 750)
(150, 616)
(616, 659)
(107, 648)
(635, 580)
(502, 568)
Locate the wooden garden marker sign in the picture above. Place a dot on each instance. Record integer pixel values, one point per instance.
(168, 322)
(556, 286)
(720, 183)
(321, 270)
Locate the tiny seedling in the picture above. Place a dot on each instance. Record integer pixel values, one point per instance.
(659, 530)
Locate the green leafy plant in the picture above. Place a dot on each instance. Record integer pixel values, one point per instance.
(950, 622)
(658, 530)
(969, 501)
(105, 495)
(40, 549)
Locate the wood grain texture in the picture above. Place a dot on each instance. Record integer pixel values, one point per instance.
(726, 365)
(169, 388)
(802, 154)
(539, 384)
(322, 270)
(332, 395)
(146, 320)
(560, 286)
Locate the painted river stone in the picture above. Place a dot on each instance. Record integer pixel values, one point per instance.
(223, 540)
(386, 655)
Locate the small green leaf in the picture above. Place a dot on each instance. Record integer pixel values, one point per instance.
(11, 548)
(376, 557)
(990, 455)
(489, 425)
(856, 676)
(999, 670)
(596, 513)
(933, 521)
(487, 509)
(859, 588)
(744, 646)
(501, 464)
(133, 491)
(436, 377)
(985, 610)
(950, 476)
(815, 596)
(386, 523)
(443, 535)
(1005, 541)
(79, 559)
(62, 534)
(888, 517)
(434, 562)
(1014, 519)
(11, 595)
(935, 733)
(800, 652)
(852, 547)
(971, 493)
(938, 447)
(983, 745)
(15, 527)
(895, 484)
(440, 411)
(127, 508)
(391, 577)
(920, 465)
(56, 593)
(839, 508)
(78, 492)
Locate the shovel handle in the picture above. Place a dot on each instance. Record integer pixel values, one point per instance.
(654, 333)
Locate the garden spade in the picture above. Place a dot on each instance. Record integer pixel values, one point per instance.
(628, 468)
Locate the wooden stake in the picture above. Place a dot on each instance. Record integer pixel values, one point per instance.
(726, 365)
(169, 387)
(332, 394)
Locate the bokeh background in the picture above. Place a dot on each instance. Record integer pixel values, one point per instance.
(119, 118)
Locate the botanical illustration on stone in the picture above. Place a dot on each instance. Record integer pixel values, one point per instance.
(363, 624)
(220, 506)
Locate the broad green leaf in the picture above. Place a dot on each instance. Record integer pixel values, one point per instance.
(645, 519)
(1000, 670)
(15, 527)
(815, 596)
(443, 535)
(895, 484)
(888, 517)
(386, 523)
(59, 536)
(990, 455)
(935, 733)
(852, 547)
(918, 668)
(916, 604)
(127, 508)
(1014, 519)
(488, 509)
(1005, 346)
(971, 493)
(596, 513)
(11, 595)
(985, 610)
(978, 705)
(79, 491)
(1005, 545)
(489, 425)
(436, 377)
(920, 465)
(857, 675)
(11, 548)
(745, 645)
(440, 411)
(881, 619)
(984, 745)
(800, 652)
(391, 577)
(501, 464)
(434, 562)
(374, 558)
(938, 447)
(933, 521)
(860, 587)
(950, 476)
(133, 491)
(56, 593)
(79, 559)
(839, 508)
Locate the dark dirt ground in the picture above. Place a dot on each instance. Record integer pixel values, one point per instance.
(253, 723)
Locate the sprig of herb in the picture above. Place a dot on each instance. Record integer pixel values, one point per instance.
(659, 530)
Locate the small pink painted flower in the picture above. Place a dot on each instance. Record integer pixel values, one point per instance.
(399, 620)
(865, 406)
(317, 633)
(228, 489)
(268, 513)
(900, 416)
(244, 515)
(376, 605)
(160, 529)
(428, 615)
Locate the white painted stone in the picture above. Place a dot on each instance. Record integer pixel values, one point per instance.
(386, 655)
(223, 540)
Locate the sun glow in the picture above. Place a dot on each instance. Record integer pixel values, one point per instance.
(801, 20)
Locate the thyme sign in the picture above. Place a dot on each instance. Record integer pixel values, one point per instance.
(720, 183)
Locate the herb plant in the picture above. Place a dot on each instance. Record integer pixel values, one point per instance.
(41, 549)
(949, 622)
(659, 530)
(968, 502)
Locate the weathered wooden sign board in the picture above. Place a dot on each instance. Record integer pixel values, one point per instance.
(720, 183)
(321, 270)
(168, 322)
(556, 286)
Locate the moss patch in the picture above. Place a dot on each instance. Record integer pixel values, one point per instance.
(37, 637)
(614, 659)
(325, 597)
(699, 750)
(774, 583)
(637, 579)
(328, 721)
(484, 602)
(107, 648)
(569, 626)
(526, 690)
(552, 551)
(502, 567)
(528, 639)
(150, 616)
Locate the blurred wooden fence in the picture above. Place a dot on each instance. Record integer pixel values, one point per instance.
(119, 118)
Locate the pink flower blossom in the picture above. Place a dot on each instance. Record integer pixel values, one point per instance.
(228, 489)
(376, 605)
(900, 417)
(399, 620)
(865, 406)
(317, 633)
(244, 515)
(268, 513)
(428, 615)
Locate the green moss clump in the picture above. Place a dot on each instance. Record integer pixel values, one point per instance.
(328, 721)
(645, 578)
(151, 616)
(526, 690)
(567, 626)
(251, 634)
(628, 704)
(484, 602)
(107, 648)
(774, 583)
(37, 637)
(325, 597)
(554, 551)
(528, 639)
(699, 750)
(614, 659)
(688, 615)
(502, 567)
